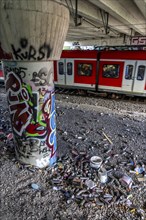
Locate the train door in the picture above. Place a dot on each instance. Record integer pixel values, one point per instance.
(128, 76)
(61, 72)
(65, 72)
(69, 73)
(140, 77)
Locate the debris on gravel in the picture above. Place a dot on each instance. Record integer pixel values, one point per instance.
(100, 171)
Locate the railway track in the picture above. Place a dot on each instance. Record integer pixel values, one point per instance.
(80, 92)
(117, 97)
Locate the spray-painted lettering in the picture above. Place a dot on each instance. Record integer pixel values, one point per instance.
(21, 71)
(18, 97)
(40, 78)
(49, 114)
(28, 52)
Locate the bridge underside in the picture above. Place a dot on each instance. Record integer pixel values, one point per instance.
(106, 22)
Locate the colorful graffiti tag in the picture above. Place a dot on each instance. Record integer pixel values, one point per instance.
(18, 99)
(49, 114)
(32, 114)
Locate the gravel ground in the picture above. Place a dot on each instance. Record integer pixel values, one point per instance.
(80, 124)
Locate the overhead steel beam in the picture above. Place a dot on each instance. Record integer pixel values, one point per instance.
(105, 18)
(76, 13)
(90, 12)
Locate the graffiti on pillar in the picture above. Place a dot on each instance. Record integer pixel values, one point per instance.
(42, 77)
(29, 52)
(18, 99)
(32, 111)
(49, 115)
(21, 71)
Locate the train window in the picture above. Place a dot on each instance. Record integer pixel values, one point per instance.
(128, 72)
(85, 69)
(140, 72)
(111, 71)
(69, 68)
(61, 68)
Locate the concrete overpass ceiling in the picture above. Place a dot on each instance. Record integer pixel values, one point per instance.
(125, 11)
(141, 4)
(99, 19)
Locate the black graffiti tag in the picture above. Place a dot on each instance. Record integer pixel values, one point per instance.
(18, 70)
(28, 52)
(40, 78)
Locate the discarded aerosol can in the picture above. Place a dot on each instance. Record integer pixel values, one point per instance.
(103, 177)
(95, 162)
(126, 181)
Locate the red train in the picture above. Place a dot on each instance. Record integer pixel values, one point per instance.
(106, 71)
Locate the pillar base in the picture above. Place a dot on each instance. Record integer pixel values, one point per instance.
(31, 100)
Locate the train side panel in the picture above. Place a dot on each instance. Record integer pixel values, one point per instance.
(76, 69)
(123, 72)
(111, 74)
(118, 71)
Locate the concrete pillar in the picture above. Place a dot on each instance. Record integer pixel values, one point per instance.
(33, 32)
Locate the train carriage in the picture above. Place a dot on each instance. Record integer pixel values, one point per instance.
(104, 71)
(123, 72)
(77, 69)
(110, 71)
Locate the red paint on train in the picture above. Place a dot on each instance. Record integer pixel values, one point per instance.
(115, 82)
(92, 54)
(78, 78)
(88, 54)
(123, 55)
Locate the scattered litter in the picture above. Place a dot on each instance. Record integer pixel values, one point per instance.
(129, 196)
(128, 202)
(126, 181)
(95, 162)
(103, 175)
(77, 178)
(141, 178)
(56, 188)
(35, 186)
(65, 133)
(139, 169)
(107, 138)
(90, 184)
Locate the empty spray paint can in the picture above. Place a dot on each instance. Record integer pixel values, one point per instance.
(103, 175)
(95, 162)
